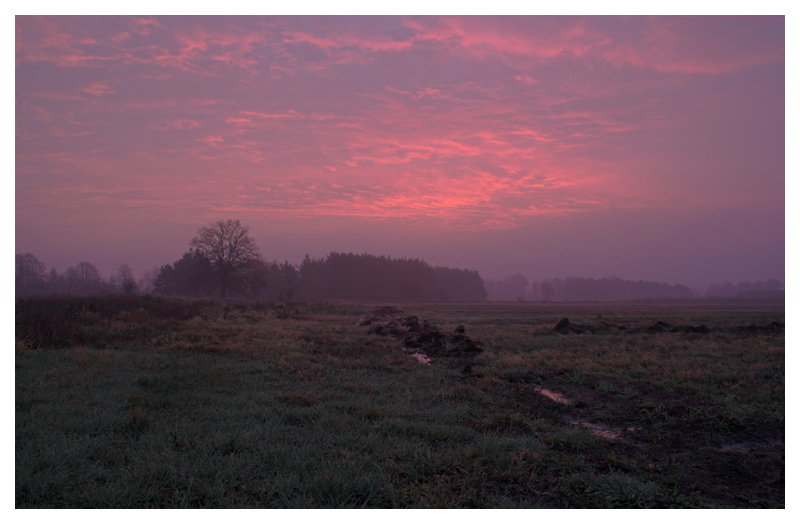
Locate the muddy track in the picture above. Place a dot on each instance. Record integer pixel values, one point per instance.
(675, 437)
(680, 440)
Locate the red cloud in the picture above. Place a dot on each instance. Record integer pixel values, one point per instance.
(477, 122)
(179, 124)
(99, 89)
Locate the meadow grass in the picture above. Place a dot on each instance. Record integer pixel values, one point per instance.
(153, 402)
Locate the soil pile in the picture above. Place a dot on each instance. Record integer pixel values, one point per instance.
(426, 338)
(565, 327)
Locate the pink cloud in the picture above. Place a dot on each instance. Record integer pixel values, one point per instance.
(178, 124)
(474, 122)
(143, 26)
(213, 140)
(673, 45)
(99, 88)
(38, 112)
(270, 116)
(665, 44)
(336, 43)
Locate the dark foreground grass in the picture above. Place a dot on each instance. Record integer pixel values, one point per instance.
(164, 403)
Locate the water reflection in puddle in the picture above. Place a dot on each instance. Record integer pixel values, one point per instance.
(595, 429)
(599, 430)
(420, 357)
(555, 397)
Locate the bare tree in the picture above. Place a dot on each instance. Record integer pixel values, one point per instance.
(29, 273)
(126, 281)
(84, 276)
(148, 279)
(234, 256)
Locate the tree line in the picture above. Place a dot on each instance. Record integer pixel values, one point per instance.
(367, 277)
(224, 261)
(32, 278)
(611, 289)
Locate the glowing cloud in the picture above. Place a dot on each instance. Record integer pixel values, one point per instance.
(469, 123)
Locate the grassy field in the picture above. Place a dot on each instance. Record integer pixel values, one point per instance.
(150, 402)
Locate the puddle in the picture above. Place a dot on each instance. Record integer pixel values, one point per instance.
(603, 431)
(555, 397)
(421, 358)
(747, 447)
(599, 430)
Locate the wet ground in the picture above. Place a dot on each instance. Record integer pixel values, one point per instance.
(668, 434)
(677, 438)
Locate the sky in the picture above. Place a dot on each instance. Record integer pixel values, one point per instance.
(648, 147)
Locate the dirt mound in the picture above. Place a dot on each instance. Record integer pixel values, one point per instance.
(385, 311)
(565, 327)
(427, 338)
(772, 327)
(380, 313)
(660, 327)
(702, 328)
(666, 327)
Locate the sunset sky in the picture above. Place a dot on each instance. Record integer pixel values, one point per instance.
(643, 147)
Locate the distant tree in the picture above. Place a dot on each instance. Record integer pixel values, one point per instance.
(84, 276)
(125, 280)
(349, 276)
(724, 290)
(54, 282)
(774, 283)
(515, 287)
(290, 278)
(29, 274)
(235, 260)
(535, 291)
(189, 276)
(146, 283)
(164, 284)
(548, 291)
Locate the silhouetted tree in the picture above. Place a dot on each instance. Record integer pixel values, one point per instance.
(83, 278)
(759, 290)
(724, 290)
(126, 281)
(55, 283)
(146, 283)
(548, 291)
(190, 276)
(610, 289)
(290, 278)
(368, 277)
(535, 291)
(235, 260)
(29, 274)
(515, 287)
